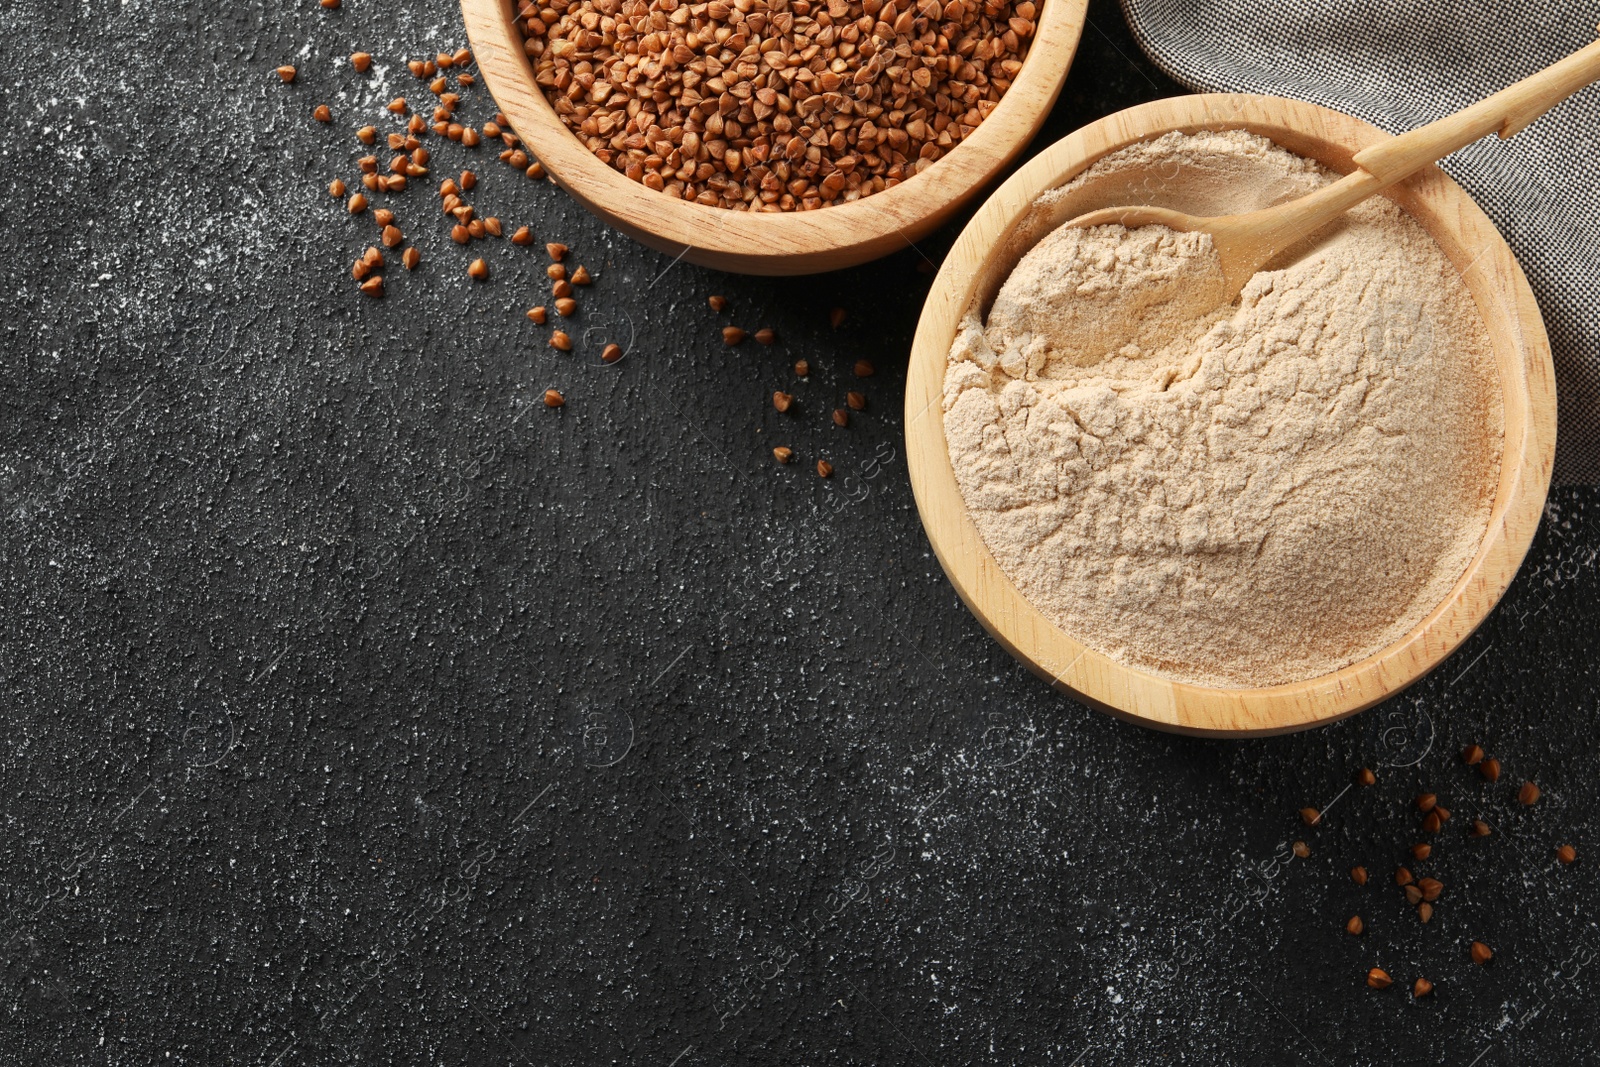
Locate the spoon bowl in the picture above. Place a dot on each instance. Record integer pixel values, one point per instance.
(1246, 243)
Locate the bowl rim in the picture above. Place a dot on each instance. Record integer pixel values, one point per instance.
(829, 237)
(1527, 383)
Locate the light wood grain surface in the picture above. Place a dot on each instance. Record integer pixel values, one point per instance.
(801, 242)
(1009, 223)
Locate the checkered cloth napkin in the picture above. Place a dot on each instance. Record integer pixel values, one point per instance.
(1401, 63)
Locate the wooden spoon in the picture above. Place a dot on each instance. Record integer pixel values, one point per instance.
(1246, 243)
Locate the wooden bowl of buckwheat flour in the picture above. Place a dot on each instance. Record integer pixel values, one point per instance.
(1248, 521)
(783, 242)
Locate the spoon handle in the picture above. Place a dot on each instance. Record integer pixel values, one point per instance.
(1509, 111)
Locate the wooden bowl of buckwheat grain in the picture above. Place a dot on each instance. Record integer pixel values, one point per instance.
(774, 136)
(1240, 518)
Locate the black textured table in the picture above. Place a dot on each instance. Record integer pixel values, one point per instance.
(360, 709)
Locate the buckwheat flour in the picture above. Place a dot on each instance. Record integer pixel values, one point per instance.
(1250, 495)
